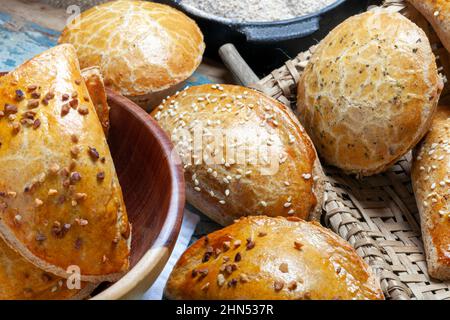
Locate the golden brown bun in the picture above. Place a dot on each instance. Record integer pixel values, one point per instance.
(142, 48)
(96, 87)
(232, 182)
(266, 258)
(55, 208)
(369, 93)
(437, 13)
(21, 280)
(431, 181)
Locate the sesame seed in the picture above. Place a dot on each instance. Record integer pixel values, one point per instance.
(54, 168)
(12, 194)
(38, 202)
(80, 196)
(227, 192)
(244, 278)
(220, 280)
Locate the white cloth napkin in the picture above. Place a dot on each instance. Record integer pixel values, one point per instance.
(190, 221)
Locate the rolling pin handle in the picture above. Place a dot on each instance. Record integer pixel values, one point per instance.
(234, 62)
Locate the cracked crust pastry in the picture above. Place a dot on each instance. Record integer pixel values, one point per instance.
(145, 50)
(369, 93)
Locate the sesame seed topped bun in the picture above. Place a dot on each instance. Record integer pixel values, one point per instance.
(243, 154)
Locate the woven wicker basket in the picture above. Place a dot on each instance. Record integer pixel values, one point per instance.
(378, 215)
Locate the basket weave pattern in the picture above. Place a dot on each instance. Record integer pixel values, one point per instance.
(377, 215)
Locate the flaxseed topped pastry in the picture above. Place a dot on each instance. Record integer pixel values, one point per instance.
(243, 154)
(61, 204)
(369, 93)
(145, 50)
(263, 258)
(431, 182)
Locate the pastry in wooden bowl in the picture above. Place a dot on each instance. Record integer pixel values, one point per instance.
(243, 154)
(96, 88)
(145, 50)
(265, 258)
(61, 203)
(369, 93)
(431, 182)
(21, 280)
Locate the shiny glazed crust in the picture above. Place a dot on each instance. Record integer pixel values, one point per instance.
(60, 199)
(272, 258)
(369, 93)
(233, 180)
(437, 12)
(140, 46)
(431, 182)
(21, 280)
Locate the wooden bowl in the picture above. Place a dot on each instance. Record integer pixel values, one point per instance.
(153, 187)
(152, 183)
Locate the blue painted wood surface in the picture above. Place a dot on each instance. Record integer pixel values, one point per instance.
(21, 40)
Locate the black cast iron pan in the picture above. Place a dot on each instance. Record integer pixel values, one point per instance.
(266, 45)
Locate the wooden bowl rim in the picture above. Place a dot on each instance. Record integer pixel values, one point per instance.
(157, 256)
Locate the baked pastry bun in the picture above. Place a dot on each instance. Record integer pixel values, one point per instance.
(263, 258)
(97, 92)
(21, 280)
(369, 92)
(437, 12)
(60, 200)
(145, 50)
(243, 154)
(431, 182)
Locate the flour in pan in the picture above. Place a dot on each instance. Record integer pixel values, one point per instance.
(258, 10)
